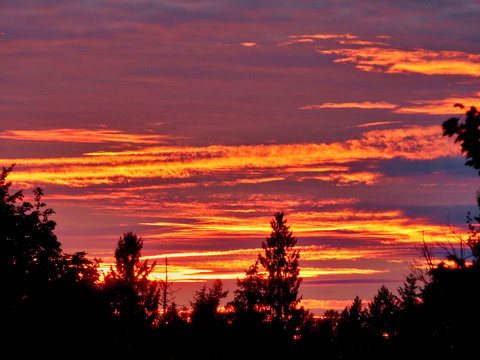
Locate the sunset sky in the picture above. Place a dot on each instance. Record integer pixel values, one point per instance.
(192, 122)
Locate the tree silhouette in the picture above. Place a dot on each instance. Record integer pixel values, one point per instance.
(467, 132)
(280, 260)
(166, 295)
(248, 305)
(135, 298)
(450, 297)
(382, 316)
(29, 248)
(205, 305)
(50, 299)
(351, 329)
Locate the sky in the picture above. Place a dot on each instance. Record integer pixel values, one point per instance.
(191, 123)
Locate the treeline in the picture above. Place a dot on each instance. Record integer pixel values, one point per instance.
(54, 303)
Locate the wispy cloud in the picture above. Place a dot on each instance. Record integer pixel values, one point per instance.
(324, 36)
(439, 107)
(432, 107)
(345, 223)
(362, 42)
(360, 105)
(378, 123)
(311, 38)
(423, 61)
(325, 304)
(184, 162)
(82, 136)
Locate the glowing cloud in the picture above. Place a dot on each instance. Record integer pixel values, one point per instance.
(184, 162)
(81, 136)
(324, 36)
(313, 37)
(388, 60)
(439, 107)
(361, 42)
(361, 105)
(345, 224)
(378, 123)
(325, 304)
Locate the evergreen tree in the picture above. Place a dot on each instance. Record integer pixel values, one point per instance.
(410, 297)
(280, 260)
(135, 297)
(249, 302)
(383, 314)
(205, 305)
(351, 338)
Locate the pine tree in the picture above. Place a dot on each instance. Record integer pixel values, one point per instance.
(280, 260)
(135, 297)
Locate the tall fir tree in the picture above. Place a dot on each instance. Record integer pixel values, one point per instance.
(280, 260)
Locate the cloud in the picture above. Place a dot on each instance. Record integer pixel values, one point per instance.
(313, 37)
(82, 136)
(378, 123)
(206, 221)
(325, 304)
(439, 107)
(324, 36)
(360, 105)
(414, 143)
(423, 61)
(432, 107)
(362, 42)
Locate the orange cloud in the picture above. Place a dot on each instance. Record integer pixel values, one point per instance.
(183, 162)
(325, 304)
(310, 252)
(324, 36)
(422, 61)
(346, 179)
(389, 226)
(362, 42)
(311, 38)
(439, 107)
(81, 136)
(378, 123)
(361, 105)
(201, 272)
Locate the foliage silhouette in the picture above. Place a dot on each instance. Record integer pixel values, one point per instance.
(249, 306)
(205, 305)
(351, 327)
(132, 296)
(467, 132)
(450, 297)
(50, 299)
(280, 261)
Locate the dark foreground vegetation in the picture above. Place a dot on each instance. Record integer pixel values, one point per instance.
(55, 305)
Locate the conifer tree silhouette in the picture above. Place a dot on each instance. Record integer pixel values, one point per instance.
(280, 261)
(135, 297)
